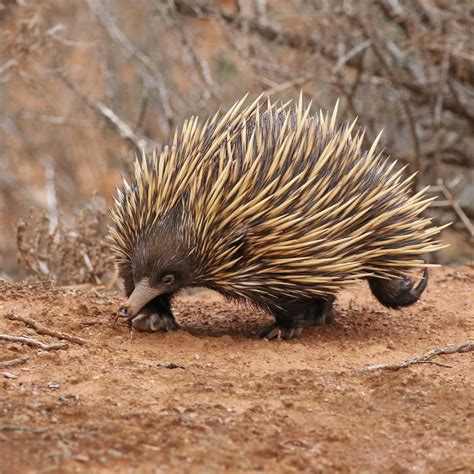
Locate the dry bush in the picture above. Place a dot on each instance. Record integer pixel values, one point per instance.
(69, 250)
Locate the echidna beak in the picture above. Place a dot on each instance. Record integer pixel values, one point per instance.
(142, 294)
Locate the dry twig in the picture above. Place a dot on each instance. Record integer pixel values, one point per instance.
(40, 329)
(33, 342)
(22, 428)
(424, 359)
(13, 362)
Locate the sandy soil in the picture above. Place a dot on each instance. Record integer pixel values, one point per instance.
(213, 398)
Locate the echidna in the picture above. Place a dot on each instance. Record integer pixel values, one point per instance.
(270, 204)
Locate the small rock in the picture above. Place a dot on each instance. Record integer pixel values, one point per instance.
(173, 365)
(9, 375)
(82, 457)
(114, 453)
(66, 398)
(47, 354)
(53, 385)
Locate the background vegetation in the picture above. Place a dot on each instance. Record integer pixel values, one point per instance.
(83, 83)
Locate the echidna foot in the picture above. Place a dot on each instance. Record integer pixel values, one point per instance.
(278, 331)
(330, 316)
(152, 322)
(326, 317)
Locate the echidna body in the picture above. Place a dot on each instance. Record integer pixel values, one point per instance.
(273, 205)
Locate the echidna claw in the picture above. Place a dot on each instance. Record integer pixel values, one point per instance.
(153, 322)
(275, 331)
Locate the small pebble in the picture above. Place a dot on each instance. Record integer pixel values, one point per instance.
(114, 453)
(9, 375)
(66, 398)
(173, 365)
(82, 458)
(53, 385)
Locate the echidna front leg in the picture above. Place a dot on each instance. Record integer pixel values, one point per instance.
(156, 316)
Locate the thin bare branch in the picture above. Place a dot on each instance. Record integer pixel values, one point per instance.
(55, 120)
(299, 81)
(202, 65)
(375, 43)
(305, 43)
(33, 342)
(40, 329)
(456, 207)
(14, 362)
(350, 54)
(424, 359)
(130, 49)
(111, 118)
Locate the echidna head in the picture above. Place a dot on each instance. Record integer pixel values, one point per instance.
(160, 264)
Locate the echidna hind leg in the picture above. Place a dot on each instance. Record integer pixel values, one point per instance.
(155, 316)
(323, 312)
(280, 331)
(291, 319)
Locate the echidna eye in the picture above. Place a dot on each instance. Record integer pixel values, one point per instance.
(168, 279)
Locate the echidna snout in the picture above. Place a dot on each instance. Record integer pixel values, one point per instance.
(142, 294)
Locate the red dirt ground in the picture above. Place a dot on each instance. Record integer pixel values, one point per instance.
(236, 403)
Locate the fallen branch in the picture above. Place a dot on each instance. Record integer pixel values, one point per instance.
(424, 359)
(21, 428)
(13, 362)
(33, 342)
(45, 331)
